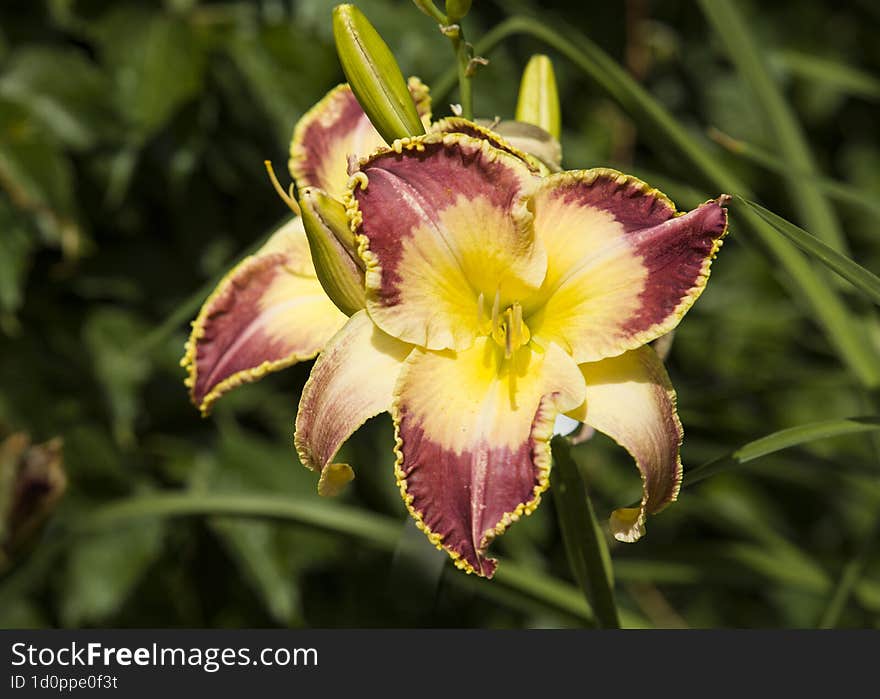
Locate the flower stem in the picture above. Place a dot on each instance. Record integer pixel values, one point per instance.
(584, 539)
(465, 88)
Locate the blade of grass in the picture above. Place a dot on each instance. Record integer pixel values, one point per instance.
(783, 439)
(865, 281)
(383, 532)
(836, 190)
(849, 578)
(741, 48)
(584, 539)
(842, 330)
(840, 76)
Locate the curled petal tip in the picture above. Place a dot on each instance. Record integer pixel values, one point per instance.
(627, 524)
(334, 478)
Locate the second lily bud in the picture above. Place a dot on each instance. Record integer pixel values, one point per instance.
(538, 101)
(334, 249)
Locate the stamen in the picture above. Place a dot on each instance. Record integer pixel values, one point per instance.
(286, 197)
(509, 332)
(481, 312)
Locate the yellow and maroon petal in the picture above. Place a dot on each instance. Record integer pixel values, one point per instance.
(335, 129)
(269, 312)
(473, 440)
(444, 227)
(630, 399)
(351, 382)
(623, 267)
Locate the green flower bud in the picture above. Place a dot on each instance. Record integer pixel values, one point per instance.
(374, 75)
(333, 248)
(538, 101)
(456, 9)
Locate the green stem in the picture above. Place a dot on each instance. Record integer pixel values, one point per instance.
(463, 61)
(584, 539)
(383, 532)
(842, 329)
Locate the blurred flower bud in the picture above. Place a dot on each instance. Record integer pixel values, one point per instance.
(456, 9)
(32, 480)
(538, 101)
(374, 75)
(333, 248)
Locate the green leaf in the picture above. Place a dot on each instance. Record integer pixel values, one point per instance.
(865, 281)
(836, 190)
(16, 246)
(111, 335)
(260, 553)
(339, 519)
(783, 439)
(37, 176)
(156, 61)
(73, 104)
(584, 539)
(103, 569)
(828, 71)
(732, 29)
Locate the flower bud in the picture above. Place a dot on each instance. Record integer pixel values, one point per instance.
(374, 75)
(333, 248)
(538, 101)
(32, 480)
(456, 9)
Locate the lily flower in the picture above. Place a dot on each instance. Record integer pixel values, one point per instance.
(271, 311)
(496, 299)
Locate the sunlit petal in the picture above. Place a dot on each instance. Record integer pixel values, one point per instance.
(446, 232)
(623, 268)
(630, 399)
(351, 382)
(473, 432)
(269, 312)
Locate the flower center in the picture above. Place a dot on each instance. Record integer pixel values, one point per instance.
(506, 327)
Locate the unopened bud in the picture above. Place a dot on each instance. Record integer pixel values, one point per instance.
(538, 101)
(456, 9)
(374, 75)
(333, 248)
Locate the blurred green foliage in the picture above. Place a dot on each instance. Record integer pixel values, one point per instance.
(132, 137)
